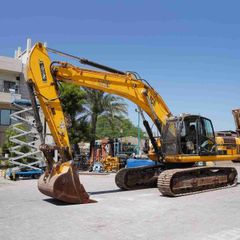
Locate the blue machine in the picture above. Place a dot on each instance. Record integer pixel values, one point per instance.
(139, 162)
(22, 102)
(30, 173)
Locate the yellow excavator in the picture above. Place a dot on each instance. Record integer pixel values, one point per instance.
(184, 140)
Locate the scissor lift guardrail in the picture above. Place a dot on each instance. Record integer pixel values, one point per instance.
(26, 135)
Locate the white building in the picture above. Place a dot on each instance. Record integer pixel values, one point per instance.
(11, 80)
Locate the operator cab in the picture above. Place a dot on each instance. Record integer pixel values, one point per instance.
(189, 134)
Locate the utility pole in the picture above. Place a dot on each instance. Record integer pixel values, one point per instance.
(139, 140)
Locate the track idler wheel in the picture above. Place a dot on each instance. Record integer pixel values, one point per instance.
(63, 184)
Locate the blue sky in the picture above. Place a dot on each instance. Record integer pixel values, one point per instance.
(188, 50)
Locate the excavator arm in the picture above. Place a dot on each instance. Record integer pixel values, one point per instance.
(126, 86)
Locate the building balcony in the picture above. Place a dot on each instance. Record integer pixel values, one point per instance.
(7, 97)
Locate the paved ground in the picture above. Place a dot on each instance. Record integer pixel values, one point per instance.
(144, 214)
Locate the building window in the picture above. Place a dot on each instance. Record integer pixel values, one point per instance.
(5, 117)
(10, 85)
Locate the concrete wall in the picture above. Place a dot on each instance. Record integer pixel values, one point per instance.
(23, 87)
(10, 65)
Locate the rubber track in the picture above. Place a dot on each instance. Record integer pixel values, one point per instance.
(139, 177)
(166, 177)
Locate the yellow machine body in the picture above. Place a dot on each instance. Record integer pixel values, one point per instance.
(62, 176)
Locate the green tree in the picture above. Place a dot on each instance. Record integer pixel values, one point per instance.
(117, 127)
(99, 104)
(73, 98)
(10, 132)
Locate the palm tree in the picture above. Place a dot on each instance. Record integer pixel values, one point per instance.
(98, 103)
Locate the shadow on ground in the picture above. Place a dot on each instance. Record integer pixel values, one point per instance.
(106, 191)
(58, 202)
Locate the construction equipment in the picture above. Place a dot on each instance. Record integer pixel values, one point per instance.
(112, 153)
(25, 155)
(184, 140)
(15, 174)
(227, 142)
(111, 164)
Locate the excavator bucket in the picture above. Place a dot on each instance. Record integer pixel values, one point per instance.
(63, 184)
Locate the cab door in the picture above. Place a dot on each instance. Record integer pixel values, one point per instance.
(206, 137)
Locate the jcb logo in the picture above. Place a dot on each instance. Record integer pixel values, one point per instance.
(43, 72)
(152, 100)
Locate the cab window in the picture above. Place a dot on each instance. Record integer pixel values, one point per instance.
(208, 128)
